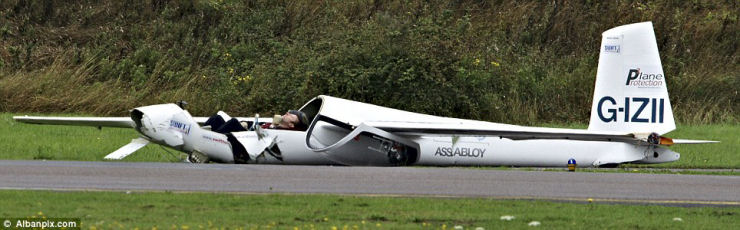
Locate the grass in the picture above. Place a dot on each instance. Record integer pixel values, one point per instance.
(648, 170)
(47, 142)
(719, 155)
(53, 142)
(166, 210)
(725, 154)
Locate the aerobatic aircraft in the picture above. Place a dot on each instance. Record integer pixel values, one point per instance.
(629, 116)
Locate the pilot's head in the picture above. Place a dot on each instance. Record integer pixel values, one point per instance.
(293, 119)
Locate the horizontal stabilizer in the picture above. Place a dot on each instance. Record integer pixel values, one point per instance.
(685, 141)
(128, 149)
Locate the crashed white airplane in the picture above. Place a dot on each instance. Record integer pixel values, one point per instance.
(630, 113)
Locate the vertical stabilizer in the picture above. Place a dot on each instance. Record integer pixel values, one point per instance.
(631, 93)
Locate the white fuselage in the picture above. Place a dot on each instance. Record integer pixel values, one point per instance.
(475, 151)
(495, 151)
(364, 145)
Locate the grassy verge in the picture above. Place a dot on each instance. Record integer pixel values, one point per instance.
(56, 142)
(204, 210)
(26, 142)
(725, 154)
(648, 170)
(720, 155)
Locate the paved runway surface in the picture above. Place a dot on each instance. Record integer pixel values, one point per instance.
(404, 181)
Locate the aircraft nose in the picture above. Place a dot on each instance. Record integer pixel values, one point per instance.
(136, 116)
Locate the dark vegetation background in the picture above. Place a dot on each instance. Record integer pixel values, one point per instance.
(521, 62)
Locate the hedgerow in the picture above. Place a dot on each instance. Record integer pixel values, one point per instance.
(523, 62)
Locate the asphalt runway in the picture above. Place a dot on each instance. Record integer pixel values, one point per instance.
(668, 189)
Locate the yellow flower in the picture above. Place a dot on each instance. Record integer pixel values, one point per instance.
(476, 62)
(493, 63)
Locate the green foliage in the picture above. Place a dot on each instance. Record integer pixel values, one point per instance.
(523, 62)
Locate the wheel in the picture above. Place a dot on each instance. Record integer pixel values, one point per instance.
(197, 157)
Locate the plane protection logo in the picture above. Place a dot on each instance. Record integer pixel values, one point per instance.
(644, 78)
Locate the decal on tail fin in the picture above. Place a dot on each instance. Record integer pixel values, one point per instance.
(630, 93)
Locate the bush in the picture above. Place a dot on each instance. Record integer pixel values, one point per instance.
(522, 62)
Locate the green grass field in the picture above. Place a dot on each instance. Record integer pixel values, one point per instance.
(25, 142)
(56, 142)
(165, 210)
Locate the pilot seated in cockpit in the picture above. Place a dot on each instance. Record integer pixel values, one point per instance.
(291, 120)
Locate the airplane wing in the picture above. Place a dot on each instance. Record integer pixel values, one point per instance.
(128, 149)
(524, 133)
(120, 122)
(505, 131)
(117, 122)
(460, 127)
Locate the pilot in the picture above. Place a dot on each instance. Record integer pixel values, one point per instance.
(291, 120)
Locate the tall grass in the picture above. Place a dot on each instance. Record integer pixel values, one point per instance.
(521, 62)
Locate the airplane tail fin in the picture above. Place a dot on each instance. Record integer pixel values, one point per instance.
(631, 93)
